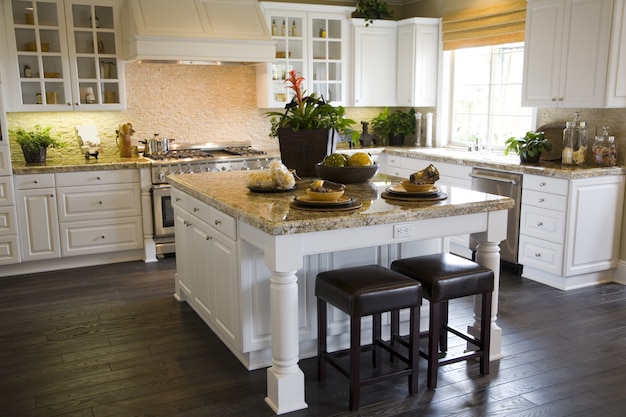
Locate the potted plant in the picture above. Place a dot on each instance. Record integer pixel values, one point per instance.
(35, 143)
(393, 127)
(529, 147)
(371, 10)
(308, 129)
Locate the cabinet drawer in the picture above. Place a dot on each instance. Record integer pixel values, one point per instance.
(99, 236)
(179, 199)
(545, 184)
(6, 192)
(198, 209)
(223, 222)
(545, 200)
(542, 224)
(8, 221)
(121, 176)
(540, 254)
(30, 181)
(9, 250)
(99, 202)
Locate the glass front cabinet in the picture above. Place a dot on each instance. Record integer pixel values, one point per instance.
(311, 40)
(65, 55)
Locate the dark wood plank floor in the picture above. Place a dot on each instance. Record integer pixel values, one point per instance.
(112, 341)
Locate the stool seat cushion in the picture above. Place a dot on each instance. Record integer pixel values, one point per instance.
(367, 290)
(445, 276)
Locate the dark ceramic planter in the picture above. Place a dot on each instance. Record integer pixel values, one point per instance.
(302, 149)
(38, 156)
(525, 159)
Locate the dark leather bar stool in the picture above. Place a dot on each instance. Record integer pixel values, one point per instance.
(445, 277)
(367, 291)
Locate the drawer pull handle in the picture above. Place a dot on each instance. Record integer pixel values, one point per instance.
(177, 199)
(196, 209)
(209, 238)
(537, 255)
(539, 224)
(541, 200)
(36, 182)
(542, 184)
(218, 222)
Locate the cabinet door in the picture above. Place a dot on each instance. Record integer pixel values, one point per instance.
(184, 256)
(39, 227)
(97, 80)
(374, 74)
(418, 62)
(38, 49)
(201, 258)
(224, 275)
(616, 82)
(5, 160)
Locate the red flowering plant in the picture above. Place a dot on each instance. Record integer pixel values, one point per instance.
(310, 112)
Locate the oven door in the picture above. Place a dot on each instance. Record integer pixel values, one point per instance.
(163, 213)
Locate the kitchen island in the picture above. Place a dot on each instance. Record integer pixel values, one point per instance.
(217, 210)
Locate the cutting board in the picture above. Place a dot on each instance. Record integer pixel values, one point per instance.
(554, 133)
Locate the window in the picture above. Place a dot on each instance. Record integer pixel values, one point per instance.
(482, 95)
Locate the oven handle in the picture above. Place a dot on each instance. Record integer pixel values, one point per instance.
(498, 179)
(161, 186)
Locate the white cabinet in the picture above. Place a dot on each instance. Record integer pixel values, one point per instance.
(567, 239)
(419, 46)
(566, 53)
(9, 240)
(206, 263)
(317, 46)
(38, 221)
(374, 60)
(616, 82)
(64, 55)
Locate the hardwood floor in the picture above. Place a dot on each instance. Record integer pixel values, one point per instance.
(112, 341)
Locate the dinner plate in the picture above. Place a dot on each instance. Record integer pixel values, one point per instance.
(399, 190)
(415, 198)
(306, 200)
(270, 190)
(353, 205)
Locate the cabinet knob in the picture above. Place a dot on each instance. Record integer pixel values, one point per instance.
(36, 182)
(196, 209)
(209, 237)
(102, 237)
(218, 222)
(542, 184)
(537, 255)
(100, 202)
(554, 98)
(51, 195)
(539, 224)
(98, 178)
(177, 199)
(69, 104)
(541, 200)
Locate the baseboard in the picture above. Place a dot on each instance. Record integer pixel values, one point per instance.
(620, 273)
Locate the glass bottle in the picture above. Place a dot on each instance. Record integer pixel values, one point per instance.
(274, 28)
(293, 29)
(575, 142)
(27, 71)
(600, 150)
(284, 29)
(612, 159)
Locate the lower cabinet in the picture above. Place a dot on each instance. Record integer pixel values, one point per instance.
(570, 229)
(78, 213)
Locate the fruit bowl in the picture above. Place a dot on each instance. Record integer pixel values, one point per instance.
(324, 196)
(347, 174)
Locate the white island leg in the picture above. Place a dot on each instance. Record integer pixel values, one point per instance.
(285, 379)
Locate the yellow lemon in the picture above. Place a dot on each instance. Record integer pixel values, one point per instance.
(360, 159)
(579, 155)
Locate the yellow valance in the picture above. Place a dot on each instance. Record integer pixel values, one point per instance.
(494, 25)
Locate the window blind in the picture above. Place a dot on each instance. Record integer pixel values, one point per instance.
(493, 25)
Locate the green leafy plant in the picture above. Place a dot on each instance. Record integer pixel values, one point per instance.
(529, 146)
(35, 140)
(373, 9)
(390, 124)
(310, 112)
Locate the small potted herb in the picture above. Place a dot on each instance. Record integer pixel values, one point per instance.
(528, 147)
(35, 143)
(393, 127)
(371, 10)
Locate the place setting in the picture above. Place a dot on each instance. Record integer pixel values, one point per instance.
(324, 195)
(419, 187)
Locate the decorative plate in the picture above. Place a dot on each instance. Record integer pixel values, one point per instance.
(270, 190)
(306, 200)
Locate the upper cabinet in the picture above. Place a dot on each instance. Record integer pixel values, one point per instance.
(374, 57)
(419, 51)
(616, 83)
(313, 40)
(566, 53)
(64, 55)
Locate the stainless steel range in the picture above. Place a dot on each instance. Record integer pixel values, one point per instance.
(191, 159)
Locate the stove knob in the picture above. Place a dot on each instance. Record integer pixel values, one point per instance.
(160, 176)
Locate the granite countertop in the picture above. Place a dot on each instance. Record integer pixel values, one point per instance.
(506, 163)
(80, 163)
(271, 212)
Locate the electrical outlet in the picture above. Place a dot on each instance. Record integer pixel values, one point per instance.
(402, 230)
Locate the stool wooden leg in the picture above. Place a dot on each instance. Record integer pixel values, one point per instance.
(443, 329)
(376, 325)
(395, 331)
(321, 339)
(433, 345)
(485, 332)
(414, 349)
(355, 362)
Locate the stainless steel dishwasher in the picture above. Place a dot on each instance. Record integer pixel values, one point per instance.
(508, 184)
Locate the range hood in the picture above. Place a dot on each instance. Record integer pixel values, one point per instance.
(196, 31)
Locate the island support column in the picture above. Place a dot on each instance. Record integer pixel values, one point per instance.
(285, 379)
(488, 254)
